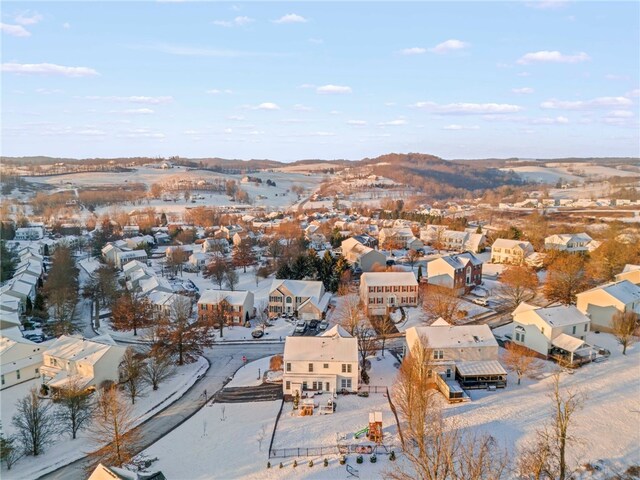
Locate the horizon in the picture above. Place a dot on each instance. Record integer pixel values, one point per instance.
(296, 81)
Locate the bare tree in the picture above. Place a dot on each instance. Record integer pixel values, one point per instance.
(74, 407)
(412, 257)
(131, 311)
(262, 315)
(231, 279)
(565, 278)
(216, 270)
(131, 370)
(520, 359)
(534, 460)
(367, 345)
(518, 284)
(440, 302)
(624, 328)
(217, 314)
(349, 312)
(384, 327)
(113, 429)
(34, 422)
(10, 451)
(158, 368)
(262, 433)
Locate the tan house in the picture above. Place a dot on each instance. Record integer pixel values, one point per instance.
(513, 252)
(240, 301)
(603, 302)
(382, 291)
(305, 299)
(362, 257)
(631, 273)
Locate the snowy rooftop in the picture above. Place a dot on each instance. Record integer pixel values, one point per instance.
(443, 335)
(236, 297)
(78, 348)
(488, 367)
(557, 316)
(380, 279)
(624, 291)
(335, 345)
(299, 288)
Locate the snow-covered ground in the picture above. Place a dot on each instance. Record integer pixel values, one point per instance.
(251, 374)
(65, 450)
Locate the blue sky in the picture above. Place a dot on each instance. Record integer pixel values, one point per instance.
(299, 80)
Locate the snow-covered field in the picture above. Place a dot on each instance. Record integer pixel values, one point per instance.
(542, 174)
(65, 450)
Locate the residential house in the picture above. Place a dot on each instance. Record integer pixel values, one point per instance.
(240, 301)
(229, 231)
(362, 257)
(460, 273)
(568, 242)
(103, 472)
(603, 302)
(440, 237)
(328, 362)
(383, 291)
(560, 329)
(29, 233)
(199, 260)
(91, 361)
(402, 237)
(162, 302)
(215, 245)
(21, 360)
(461, 355)
(306, 299)
(513, 252)
(125, 256)
(631, 273)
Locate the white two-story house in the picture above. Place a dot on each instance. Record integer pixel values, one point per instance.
(328, 363)
(568, 242)
(513, 252)
(603, 302)
(382, 291)
(306, 299)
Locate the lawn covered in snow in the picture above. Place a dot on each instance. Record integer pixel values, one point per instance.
(64, 450)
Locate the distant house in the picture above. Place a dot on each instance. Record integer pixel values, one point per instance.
(215, 245)
(21, 360)
(382, 291)
(199, 260)
(548, 329)
(240, 301)
(461, 355)
(124, 257)
(362, 257)
(513, 252)
(603, 302)
(459, 273)
(90, 361)
(230, 230)
(103, 472)
(306, 299)
(130, 230)
(328, 363)
(568, 242)
(162, 302)
(452, 240)
(631, 273)
(29, 233)
(403, 237)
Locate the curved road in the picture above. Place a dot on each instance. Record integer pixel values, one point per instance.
(225, 360)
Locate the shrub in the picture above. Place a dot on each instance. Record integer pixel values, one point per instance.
(365, 377)
(268, 464)
(44, 390)
(311, 463)
(275, 363)
(373, 458)
(281, 465)
(343, 460)
(295, 463)
(359, 459)
(326, 462)
(392, 456)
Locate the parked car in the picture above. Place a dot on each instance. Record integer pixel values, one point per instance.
(257, 333)
(34, 337)
(323, 325)
(301, 326)
(481, 301)
(313, 324)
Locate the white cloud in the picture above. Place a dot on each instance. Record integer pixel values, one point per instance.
(449, 46)
(330, 89)
(216, 91)
(265, 106)
(133, 99)
(316, 41)
(546, 56)
(301, 108)
(237, 118)
(469, 108)
(393, 123)
(27, 18)
(138, 111)
(550, 120)
(291, 18)
(142, 133)
(547, 4)
(523, 74)
(460, 127)
(322, 134)
(228, 131)
(48, 91)
(611, 76)
(91, 132)
(620, 114)
(413, 51)
(48, 69)
(14, 30)
(66, 25)
(335, 112)
(357, 123)
(307, 85)
(634, 93)
(236, 22)
(523, 90)
(586, 104)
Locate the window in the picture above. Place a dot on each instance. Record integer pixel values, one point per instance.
(311, 367)
(585, 327)
(288, 366)
(317, 386)
(18, 374)
(288, 385)
(288, 300)
(438, 354)
(2, 379)
(37, 371)
(326, 365)
(304, 385)
(574, 330)
(345, 383)
(448, 373)
(542, 330)
(429, 373)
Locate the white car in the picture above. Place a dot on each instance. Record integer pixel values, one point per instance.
(481, 301)
(301, 326)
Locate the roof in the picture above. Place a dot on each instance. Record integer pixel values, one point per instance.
(459, 261)
(380, 279)
(624, 291)
(630, 268)
(556, 316)
(444, 335)
(487, 367)
(504, 243)
(334, 345)
(236, 297)
(567, 342)
(299, 288)
(78, 348)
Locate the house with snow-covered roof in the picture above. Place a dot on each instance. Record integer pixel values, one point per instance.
(362, 257)
(548, 329)
(460, 273)
(568, 242)
(240, 302)
(466, 354)
(631, 273)
(603, 302)
(383, 291)
(328, 362)
(306, 299)
(21, 360)
(91, 362)
(513, 252)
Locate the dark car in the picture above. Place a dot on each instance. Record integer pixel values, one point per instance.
(257, 333)
(313, 323)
